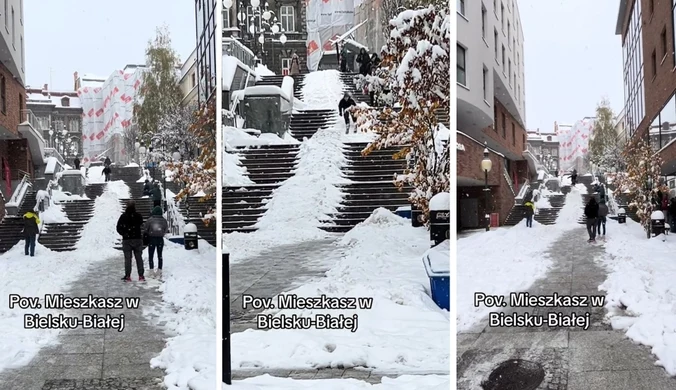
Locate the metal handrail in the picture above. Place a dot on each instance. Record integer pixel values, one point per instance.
(235, 48)
(508, 179)
(20, 190)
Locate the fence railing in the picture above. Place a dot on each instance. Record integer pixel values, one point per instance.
(508, 179)
(20, 191)
(28, 116)
(235, 48)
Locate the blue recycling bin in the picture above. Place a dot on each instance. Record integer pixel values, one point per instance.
(404, 212)
(438, 271)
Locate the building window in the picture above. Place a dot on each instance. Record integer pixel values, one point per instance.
(495, 8)
(523, 141)
(632, 54)
(509, 33)
(286, 66)
(483, 20)
(663, 39)
(513, 135)
(6, 15)
(485, 82)
(502, 16)
(462, 75)
(653, 63)
(504, 126)
(509, 72)
(651, 6)
(22, 53)
(288, 18)
(503, 59)
(3, 96)
(461, 7)
(495, 118)
(13, 30)
(495, 43)
(21, 11)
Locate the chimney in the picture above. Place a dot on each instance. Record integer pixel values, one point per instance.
(45, 87)
(75, 77)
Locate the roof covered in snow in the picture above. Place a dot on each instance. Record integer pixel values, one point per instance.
(55, 98)
(542, 137)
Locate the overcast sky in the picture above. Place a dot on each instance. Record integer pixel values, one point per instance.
(572, 59)
(98, 37)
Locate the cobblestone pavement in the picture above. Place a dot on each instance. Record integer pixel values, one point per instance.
(325, 373)
(276, 271)
(573, 359)
(101, 359)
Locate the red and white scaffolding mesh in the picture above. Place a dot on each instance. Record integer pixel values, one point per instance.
(574, 145)
(108, 110)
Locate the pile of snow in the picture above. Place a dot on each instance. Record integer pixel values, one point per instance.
(50, 273)
(234, 174)
(640, 289)
(101, 231)
(262, 70)
(312, 190)
(54, 214)
(234, 137)
(405, 382)
(322, 90)
(494, 271)
(404, 331)
(52, 163)
(95, 175)
(230, 65)
(287, 87)
(189, 357)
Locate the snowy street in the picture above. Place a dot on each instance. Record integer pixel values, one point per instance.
(314, 238)
(614, 349)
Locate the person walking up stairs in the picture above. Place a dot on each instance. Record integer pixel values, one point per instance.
(129, 227)
(31, 224)
(155, 229)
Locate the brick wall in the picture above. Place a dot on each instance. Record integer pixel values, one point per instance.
(19, 157)
(659, 86)
(15, 95)
(469, 162)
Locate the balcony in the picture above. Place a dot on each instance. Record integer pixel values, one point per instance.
(31, 129)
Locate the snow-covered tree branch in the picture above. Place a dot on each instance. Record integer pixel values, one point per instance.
(415, 70)
(605, 150)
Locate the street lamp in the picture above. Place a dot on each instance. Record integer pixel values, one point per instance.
(486, 165)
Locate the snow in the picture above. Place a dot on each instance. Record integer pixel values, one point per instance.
(657, 214)
(189, 357)
(234, 174)
(287, 87)
(234, 137)
(404, 331)
(52, 163)
(54, 214)
(312, 189)
(53, 99)
(95, 175)
(437, 258)
(640, 280)
(131, 165)
(267, 90)
(230, 65)
(404, 382)
(262, 70)
(493, 270)
(50, 273)
(440, 201)
(322, 90)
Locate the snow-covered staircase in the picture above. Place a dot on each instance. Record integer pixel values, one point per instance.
(11, 227)
(63, 236)
(305, 123)
(587, 182)
(276, 80)
(268, 167)
(194, 210)
(372, 186)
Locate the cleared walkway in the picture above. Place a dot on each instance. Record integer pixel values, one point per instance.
(101, 359)
(572, 358)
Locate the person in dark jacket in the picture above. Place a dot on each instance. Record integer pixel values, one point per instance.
(31, 229)
(106, 173)
(573, 177)
(76, 162)
(343, 59)
(157, 195)
(345, 103)
(591, 211)
(147, 188)
(601, 220)
(530, 210)
(155, 228)
(129, 226)
(107, 162)
(364, 62)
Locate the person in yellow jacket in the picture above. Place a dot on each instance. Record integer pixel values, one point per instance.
(530, 210)
(31, 229)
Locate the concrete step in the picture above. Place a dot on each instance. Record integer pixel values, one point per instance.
(367, 208)
(242, 206)
(371, 177)
(247, 229)
(375, 196)
(235, 211)
(243, 189)
(236, 195)
(238, 224)
(227, 217)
